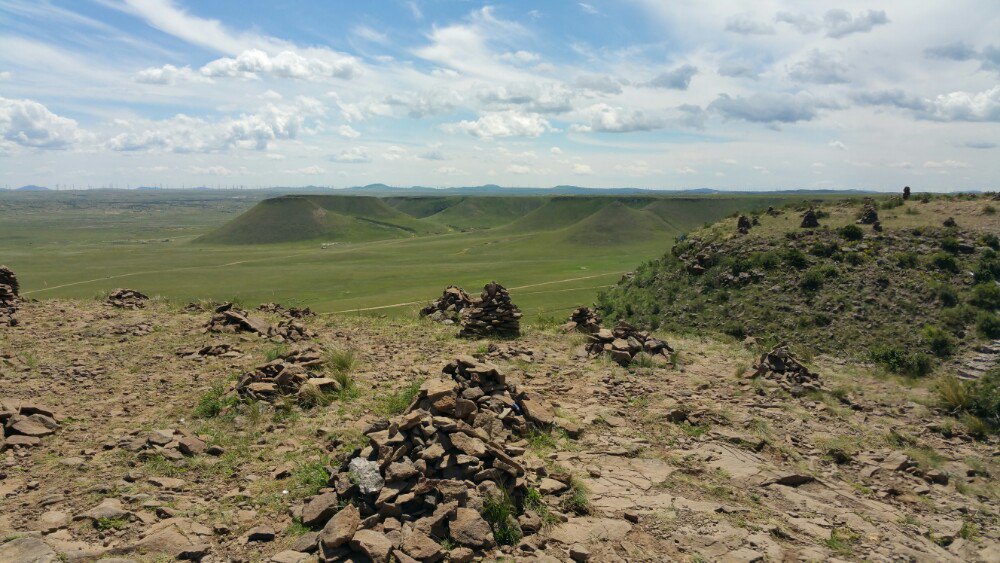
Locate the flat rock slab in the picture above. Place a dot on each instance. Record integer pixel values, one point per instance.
(28, 550)
(590, 529)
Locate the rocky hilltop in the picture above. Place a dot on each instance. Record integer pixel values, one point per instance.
(912, 285)
(155, 432)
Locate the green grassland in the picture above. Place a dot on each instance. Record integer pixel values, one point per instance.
(342, 253)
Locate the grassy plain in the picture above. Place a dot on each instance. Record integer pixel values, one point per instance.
(78, 244)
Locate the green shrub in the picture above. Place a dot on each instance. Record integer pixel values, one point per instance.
(854, 258)
(986, 296)
(939, 341)
(979, 399)
(987, 269)
(989, 210)
(988, 324)
(213, 402)
(795, 258)
(950, 245)
(812, 280)
(501, 515)
(991, 240)
(851, 232)
(824, 249)
(766, 260)
(944, 261)
(945, 294)
(898, 361)
(907, 260)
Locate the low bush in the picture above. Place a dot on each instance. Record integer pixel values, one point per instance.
(979, 399)
(945, 294)
(898, 361)
(851, 232)
(939, 341)
(795, 258)
(986, 296)
(812, 280)
(944, 261)
(988, 324)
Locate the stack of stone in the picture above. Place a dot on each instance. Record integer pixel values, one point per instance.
(427, 473)
(583, 319)
(624, 342)
(780, 366)
(743, 225)
(167, 443)
(25, 424)
(810, 220)
(869, 213)
(9, 297)
(290, 312)
(288, 374)
(491, 314)
(290, 330)
(127, 299)
(448, 307)
(228, 318)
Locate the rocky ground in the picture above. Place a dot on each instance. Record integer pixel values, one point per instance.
(688, 460)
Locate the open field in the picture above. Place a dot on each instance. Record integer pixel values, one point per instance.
(555, 253)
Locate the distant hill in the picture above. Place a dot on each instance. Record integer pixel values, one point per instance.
(32, 188)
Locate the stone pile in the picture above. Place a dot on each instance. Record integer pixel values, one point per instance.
(9, 297)
(167, 443)
(583, 319)
(448, 307)
(906, 192)
(25, 424)
(781, 366)
(290, 312)
(810, 220)
(288, 374)
(290, 330)
(127, 299)
(743, 225)
(510, 353)
(227, 318)
(950, 222)
(869, 214)
(426, 474)
(624, 342)
(211, 350)
(491, 314)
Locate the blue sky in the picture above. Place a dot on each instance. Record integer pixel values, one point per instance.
(646, 93)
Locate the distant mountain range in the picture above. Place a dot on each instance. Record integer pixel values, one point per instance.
(31, 188)
(493, 189)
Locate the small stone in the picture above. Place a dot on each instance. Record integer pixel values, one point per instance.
(289, 556)
(341, 528)
(632, 516)
(366, 474)
(191, 446)
(261, 534)
(319, 509)
(579, 553)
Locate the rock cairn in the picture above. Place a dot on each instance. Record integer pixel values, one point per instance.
(448, 307)
(810, 220)
(781, 366)
(227, 318)
(288, 374)
(583, 319)
(950, 222)
(289, 312)
(869, 214)
(428, 473)
(127, 299)
(9, 297)
(624, 342)
(290, 330)
(743, 225)
(491, 314)
(906, 192)
(25, 424)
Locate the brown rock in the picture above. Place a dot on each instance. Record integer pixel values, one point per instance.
(421, 547)
(341, 528)
(373, 544)
(469, 528)
(319, 509)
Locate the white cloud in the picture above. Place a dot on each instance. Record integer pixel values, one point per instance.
(169, 74)
(837, 145)
(353, 155)
(520, 57)
(738, 70)
(599, 83)
(760, 169)
(675, 79)
(348, 132)
(519, 169)
(369, 34)
(582, 169)
(686, 171)
(274, 156)
(840, 23)
(611, 119)
(287, 64)
(746, 25)
(952, 164)
(5, 75)
(30, 124)
(308, 170)
(820, 68)
(588, 8)
(450, 171)
(218, 171)
(966, 106)
(637, 169)
(184, 134)
(504, 124)
(393, 153)
(770, 108)
(802, 22)
(556, 150)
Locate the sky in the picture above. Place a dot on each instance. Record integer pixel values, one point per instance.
(728, 94)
